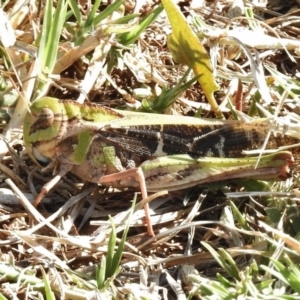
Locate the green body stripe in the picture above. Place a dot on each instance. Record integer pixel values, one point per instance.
(90, 112)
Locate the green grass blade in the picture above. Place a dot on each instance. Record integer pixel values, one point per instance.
(2, 297)
(110, 251)
(126, 19)
(108, 11)
(131, 36)
(91, 17)
(48, 291)
(168, 96)
(100, 273)
(119, 252)
(42, 54)
(49, 42)
(54, 34)
(224, 260)
(76, 12)
(240, 218)
(224, 281)
(288, 275)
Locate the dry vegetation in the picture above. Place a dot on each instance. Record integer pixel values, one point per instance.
(220, 241)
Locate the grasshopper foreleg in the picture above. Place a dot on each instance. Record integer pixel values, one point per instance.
(64, 169)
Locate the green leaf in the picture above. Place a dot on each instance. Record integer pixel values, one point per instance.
(274, 214)
(187, 49)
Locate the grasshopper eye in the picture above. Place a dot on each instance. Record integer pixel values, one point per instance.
(45, 119)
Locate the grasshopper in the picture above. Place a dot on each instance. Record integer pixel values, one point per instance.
(155, 152)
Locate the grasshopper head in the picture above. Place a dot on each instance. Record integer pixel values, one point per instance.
(41, 129)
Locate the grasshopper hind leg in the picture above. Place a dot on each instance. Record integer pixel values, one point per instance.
(138, 174)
